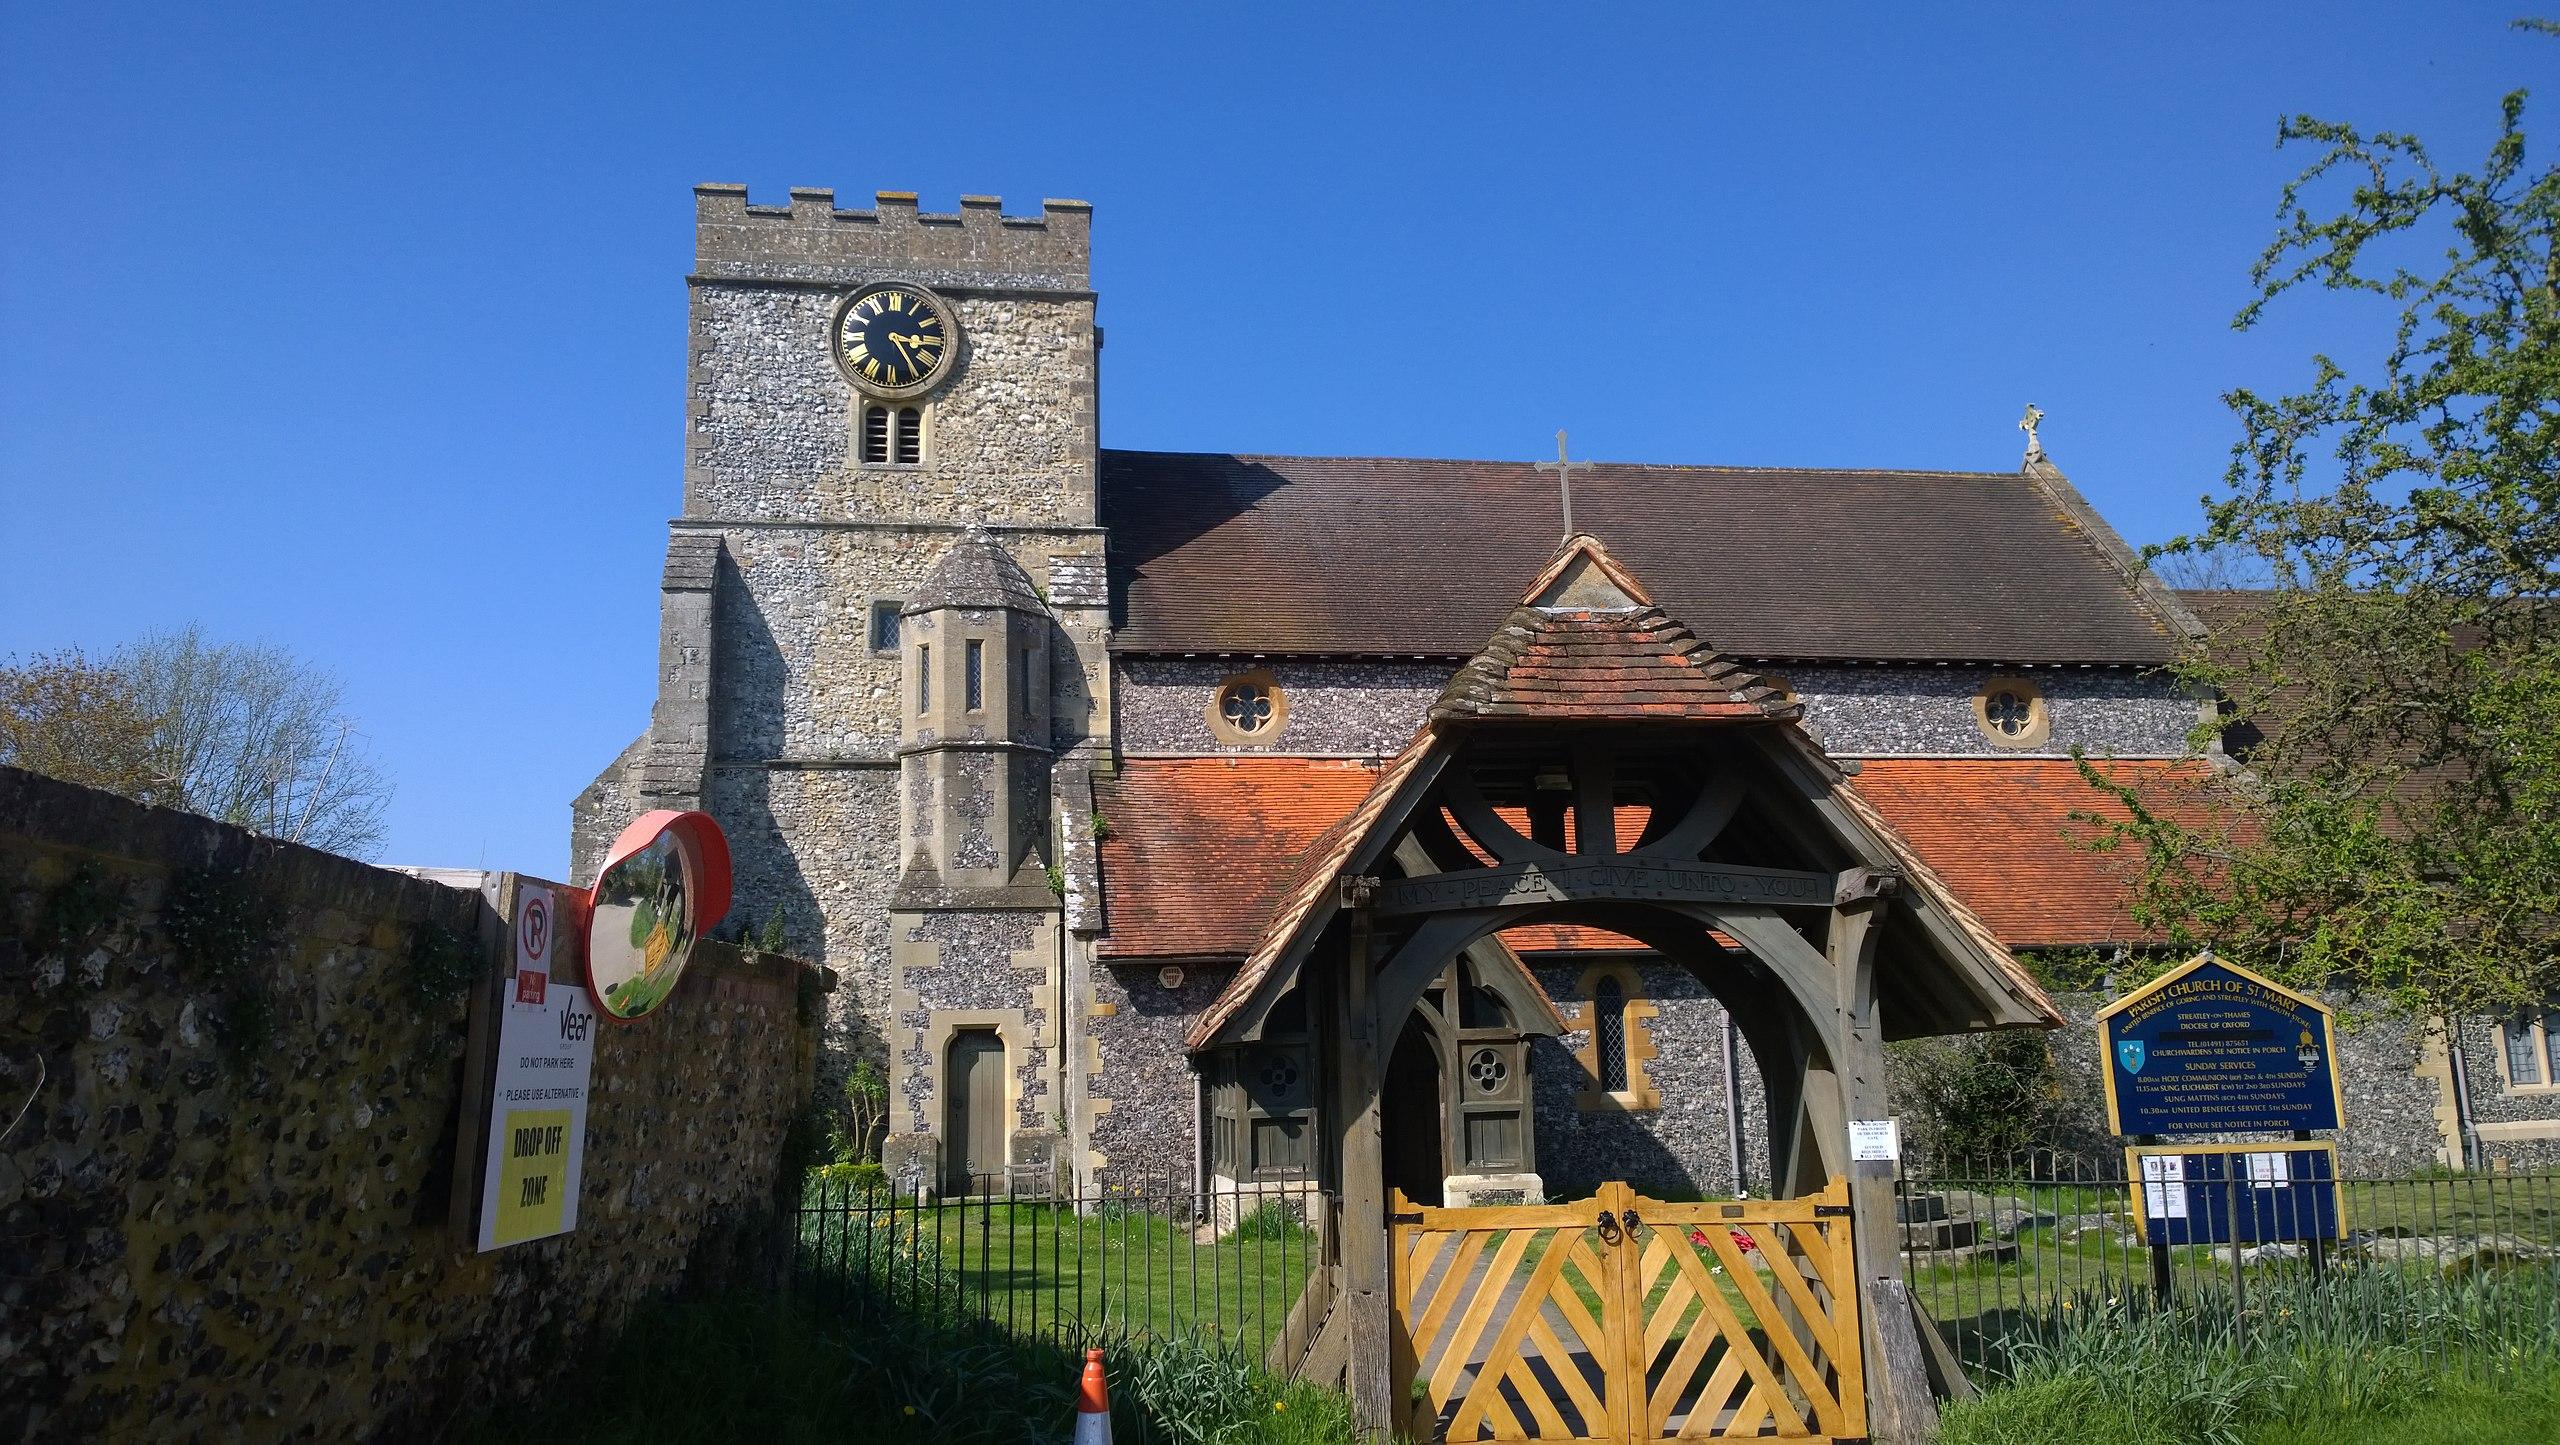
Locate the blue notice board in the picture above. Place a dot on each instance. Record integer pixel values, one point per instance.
(2211, 1048)
(2235, 1193)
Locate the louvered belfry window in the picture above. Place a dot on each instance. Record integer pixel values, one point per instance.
(892, 436)
(1609, 1022)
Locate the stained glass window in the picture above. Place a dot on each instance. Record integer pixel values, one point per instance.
(2008, 712)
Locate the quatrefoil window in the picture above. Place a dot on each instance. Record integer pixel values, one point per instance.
(1488, 1070)
(1246, 706)
(2008, 712)
(1279, 1075)
(1248, 709)
(2011, 712)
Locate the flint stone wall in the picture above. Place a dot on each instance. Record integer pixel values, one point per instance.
(1357, 708)
(1928, 711)
(1142, 1091)
(820, 845)
(975, 963)
(1372, 708)
(2518, 1125)
(773, 417)
(1678, 1150)
(201, 1249)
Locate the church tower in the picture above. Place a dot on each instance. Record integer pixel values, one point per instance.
(882, 632)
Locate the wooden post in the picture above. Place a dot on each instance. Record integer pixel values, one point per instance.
(1367, 1286)
(1900, 1409)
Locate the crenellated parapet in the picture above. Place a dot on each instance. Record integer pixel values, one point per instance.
(812, 240)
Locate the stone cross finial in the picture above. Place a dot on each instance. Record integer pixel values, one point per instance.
(1564, 471)
(2027, 424)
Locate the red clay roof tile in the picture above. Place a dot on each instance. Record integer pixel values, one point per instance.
(2000, 831)
(1198, 849)
(1202, 849)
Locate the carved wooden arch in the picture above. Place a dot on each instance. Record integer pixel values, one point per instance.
(1806, 979)
(1594, 804)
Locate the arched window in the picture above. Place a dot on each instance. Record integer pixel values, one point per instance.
(1609, 1028)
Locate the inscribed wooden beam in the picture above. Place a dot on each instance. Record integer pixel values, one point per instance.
(1629, 879)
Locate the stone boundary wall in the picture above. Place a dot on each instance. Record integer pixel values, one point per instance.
(199, 1245)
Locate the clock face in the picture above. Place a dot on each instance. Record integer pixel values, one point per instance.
(894, 339)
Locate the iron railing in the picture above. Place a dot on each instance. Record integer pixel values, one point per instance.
(1242, 1266)
(2000, 1251)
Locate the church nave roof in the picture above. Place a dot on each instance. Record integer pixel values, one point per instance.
(1379, 556)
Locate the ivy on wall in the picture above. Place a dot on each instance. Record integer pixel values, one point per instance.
(443, 964)
(222, 929)
(73, 911)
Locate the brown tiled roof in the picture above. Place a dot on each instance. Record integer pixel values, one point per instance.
(1322, 555)
(1310, 880)
(1614, 658)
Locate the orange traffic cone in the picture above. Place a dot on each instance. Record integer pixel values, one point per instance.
(1093, 1406)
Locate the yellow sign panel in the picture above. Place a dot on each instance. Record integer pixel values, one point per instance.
(533, 1174)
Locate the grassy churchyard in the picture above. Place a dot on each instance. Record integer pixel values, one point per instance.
(963, 1321)
(2438, 1318)
(1052, 1270)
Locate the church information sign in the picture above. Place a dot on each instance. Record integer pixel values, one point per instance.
(2211, 1048)
(2235, 1193)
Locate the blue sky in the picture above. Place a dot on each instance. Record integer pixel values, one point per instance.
(360, 329)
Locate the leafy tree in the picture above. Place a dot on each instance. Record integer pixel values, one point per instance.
(858, 1119)
(257, 737)
(247, 734)
(2398, 827)
(1978, 1105)
(69, 718)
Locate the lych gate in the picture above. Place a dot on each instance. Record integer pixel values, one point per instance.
(1597, 765)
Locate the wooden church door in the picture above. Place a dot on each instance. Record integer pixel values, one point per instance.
(973, 1123)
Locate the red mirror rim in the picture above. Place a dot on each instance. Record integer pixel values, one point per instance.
(709, 844)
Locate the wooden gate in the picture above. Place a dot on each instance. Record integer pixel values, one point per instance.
(1629, 1319)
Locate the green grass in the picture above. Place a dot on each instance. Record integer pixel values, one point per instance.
(2519, 1412)
(1980, 1298)
(2454, 1412)
(2303, 1360)
(1040, 1269)
(750, 1369)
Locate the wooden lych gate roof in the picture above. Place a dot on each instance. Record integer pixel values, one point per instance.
(1587, 648)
